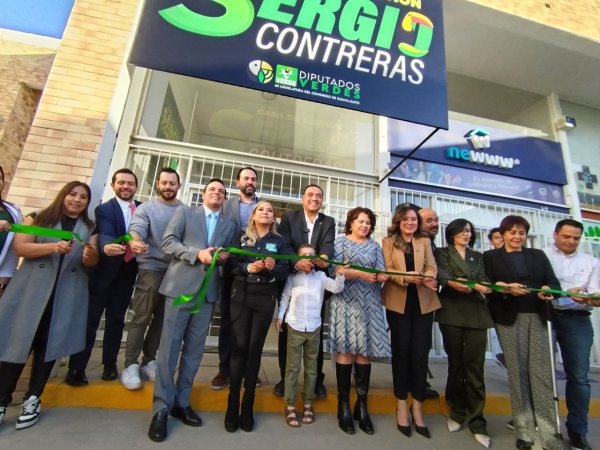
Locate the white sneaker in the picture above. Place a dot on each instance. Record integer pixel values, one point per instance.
(130, 377)
(149, 370)
(483, 439)
(453, 426)
(2, 414)
(30, 412)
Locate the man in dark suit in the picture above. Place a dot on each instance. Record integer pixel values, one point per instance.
(431, 227)
(110, 282)
(191, 238)
(307, 225)
(239, 209)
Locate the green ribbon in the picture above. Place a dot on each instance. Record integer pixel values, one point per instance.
(499, 288)
(47, 232)
(122, 239)
(200, 295)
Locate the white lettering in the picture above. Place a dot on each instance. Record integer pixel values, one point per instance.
(282, 37)
(261, 32)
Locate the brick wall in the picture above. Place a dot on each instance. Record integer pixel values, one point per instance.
(72, 114)
(24, 68)
(578, 17)
(65, 135)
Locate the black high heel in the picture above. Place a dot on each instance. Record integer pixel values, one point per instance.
(423, 431)
(404, 429)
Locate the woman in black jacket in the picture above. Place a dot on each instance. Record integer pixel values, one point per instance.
(253, 296)
(520, 317)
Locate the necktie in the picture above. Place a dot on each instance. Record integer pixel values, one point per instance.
(128, 252)
(211, 222)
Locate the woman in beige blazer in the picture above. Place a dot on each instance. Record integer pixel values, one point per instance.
(410, 302)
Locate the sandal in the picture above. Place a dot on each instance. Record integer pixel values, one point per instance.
(308, 415)
(290, 417)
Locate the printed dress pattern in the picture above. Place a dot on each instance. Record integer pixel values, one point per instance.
(357, 317)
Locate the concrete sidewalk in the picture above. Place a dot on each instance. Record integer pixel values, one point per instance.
(102, 394)
(104, 415)
(105, 429)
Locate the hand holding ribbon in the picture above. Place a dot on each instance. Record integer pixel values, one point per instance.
(515, 287)
(427, 280)
(200, 295)
(47, 232)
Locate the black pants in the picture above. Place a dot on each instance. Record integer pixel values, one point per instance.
(282, 348)
(225, 339)
(113, 302)
(465, 386)
(411, 340)
(251, 309)
(40, 369)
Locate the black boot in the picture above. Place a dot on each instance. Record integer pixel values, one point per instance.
(343, 373)
(247, 412)
(362, 377)
(232, 418)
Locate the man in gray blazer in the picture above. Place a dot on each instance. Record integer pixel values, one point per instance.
(238, 209)
(191, 237)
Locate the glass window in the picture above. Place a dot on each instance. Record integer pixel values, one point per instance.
(206, 113)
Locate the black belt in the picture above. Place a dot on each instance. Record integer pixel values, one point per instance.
(572, 312)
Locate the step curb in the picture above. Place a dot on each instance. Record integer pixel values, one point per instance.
(112, 395)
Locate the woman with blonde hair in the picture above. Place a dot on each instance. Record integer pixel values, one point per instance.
(410, 301)
(253, 297)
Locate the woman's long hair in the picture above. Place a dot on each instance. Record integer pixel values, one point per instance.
(394, 228)
(251, 235)
(53, 214)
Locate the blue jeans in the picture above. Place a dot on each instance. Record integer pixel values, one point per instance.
(575, 336)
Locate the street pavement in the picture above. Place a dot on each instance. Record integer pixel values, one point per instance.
(108, 429)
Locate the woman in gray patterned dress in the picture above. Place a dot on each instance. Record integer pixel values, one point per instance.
(357, 329)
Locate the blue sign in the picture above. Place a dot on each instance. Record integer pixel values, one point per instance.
(483, 149)
(477, 181)
(383, 57)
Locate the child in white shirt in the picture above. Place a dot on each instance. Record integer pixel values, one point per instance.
(300, 304)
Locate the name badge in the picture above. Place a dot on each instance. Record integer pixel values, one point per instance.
(271, 247)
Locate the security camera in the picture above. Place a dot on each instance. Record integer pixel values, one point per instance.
(566, 123)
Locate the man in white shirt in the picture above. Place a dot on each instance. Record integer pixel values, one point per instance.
(577, 272)
(300, 304)
(307, 225)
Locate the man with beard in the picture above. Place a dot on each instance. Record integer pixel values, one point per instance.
(307, 225)
(430, 225)
(110, 282)
(147, 228)
(239, 210)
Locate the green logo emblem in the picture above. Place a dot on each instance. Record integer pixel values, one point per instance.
(286, 75)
